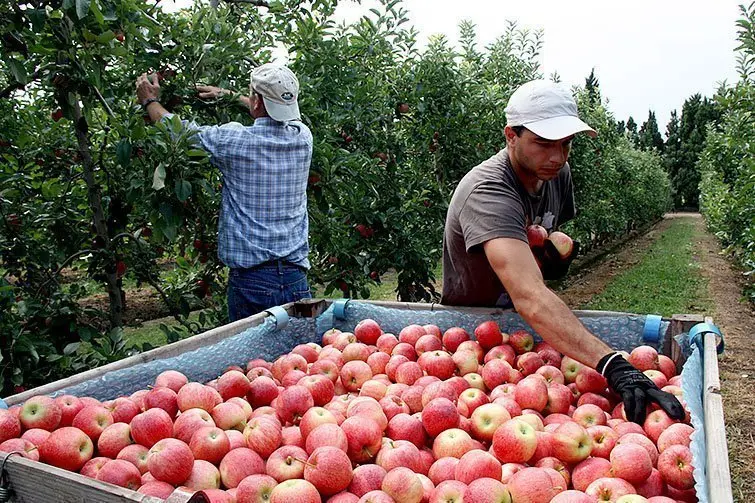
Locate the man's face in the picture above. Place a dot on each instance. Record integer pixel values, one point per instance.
(536, 156)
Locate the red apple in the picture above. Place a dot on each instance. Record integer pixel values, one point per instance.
(286, 463)
(476, 464)
(631, 463)
(297, 490)
(609, 489)
(69, 407)
(10, 426)
(411, 334)
(486, 490)
(573, 496)
(522, 341)
(486, 419)
(588, 471)
(121, 473)
(366, 478)
(113, 439)
(571, 443)
(238, 464)
(453, 337)
(92, 420)
(655, 423)
(368, 331)
(124, 410)
(514, 442)
(452, 442)
(197, 395)
(209, 443)
(157, 489)
(675, 434)
(151, 426)
(675, 466)
(364, 438)
(488, 334)
(439, 415)
(448, 491)
(536, 236)
(68, 448)
(162, 398)
(170, 460)
(171, 379)
(403, 485)
(563, 243)
(534, 485)
(135, 454)
(329, 470)
(255, 488)
(644, 358)
(22, 446)
(40, 412)
(262, 435)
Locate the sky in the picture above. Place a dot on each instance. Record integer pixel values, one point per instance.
(647, 55)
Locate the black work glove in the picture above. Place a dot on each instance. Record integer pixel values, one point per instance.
(636, 389)
(552, 265)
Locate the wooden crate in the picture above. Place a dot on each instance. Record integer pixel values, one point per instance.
(34, 482)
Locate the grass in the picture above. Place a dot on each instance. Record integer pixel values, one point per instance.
(150, 332)
(666, 281)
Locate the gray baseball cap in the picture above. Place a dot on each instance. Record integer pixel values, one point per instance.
(279, 89)
(547, 109)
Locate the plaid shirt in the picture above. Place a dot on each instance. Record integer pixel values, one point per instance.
(264, 210)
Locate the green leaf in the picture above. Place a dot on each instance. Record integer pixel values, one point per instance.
(38, 17)
(71, 348)
(195, 152)
(158, 178)
(183, 190)
(106, 37)
(17, 70)
(123, 153)
(82, 8)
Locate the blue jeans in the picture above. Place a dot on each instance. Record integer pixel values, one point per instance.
(251, 291)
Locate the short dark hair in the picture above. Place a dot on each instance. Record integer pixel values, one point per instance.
(518, 130)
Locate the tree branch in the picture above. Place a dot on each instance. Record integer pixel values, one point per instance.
(5, 93)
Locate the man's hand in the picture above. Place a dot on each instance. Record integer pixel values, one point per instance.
(211, 92)
(636, 389)
(147, 87)
(552, 264)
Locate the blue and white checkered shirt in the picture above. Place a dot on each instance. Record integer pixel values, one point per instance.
(265, 170)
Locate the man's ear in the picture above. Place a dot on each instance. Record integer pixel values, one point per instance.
(510, 135)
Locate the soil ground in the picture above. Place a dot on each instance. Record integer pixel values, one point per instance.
(732, 314)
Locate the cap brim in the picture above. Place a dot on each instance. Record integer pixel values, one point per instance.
(281, 113)
(557, 128)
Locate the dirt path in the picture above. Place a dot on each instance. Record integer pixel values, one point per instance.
(735, 318)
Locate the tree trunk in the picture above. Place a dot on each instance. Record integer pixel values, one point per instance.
(98, 214)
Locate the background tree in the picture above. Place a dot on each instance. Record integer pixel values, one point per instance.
(649, 136)
(631, 131)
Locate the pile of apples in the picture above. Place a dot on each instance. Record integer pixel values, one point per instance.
(368, 416)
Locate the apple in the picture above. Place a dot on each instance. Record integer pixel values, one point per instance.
(410, 334)
(496, 372)
(437, 363)
(532, 393)
(354, 374)
(403, 485)
(428, 342)
(123, 410)
(440, 389)
(197, 395)
(514, 442)
(171, 379)
(297, 490)
(92, 420)
(488, 334)
(590, 381)
(356, 351)
(10, 426)
(644, 358)
(570, 368)
(150, 426)
(655, 424)
(262, 391)
(22, 446)
(534, 485)
(364, 438)
(68, 448)
(552, 374)
(452, 442)
(327, 434)
(170, 460)
(528, 363)
(293, 402)
(536, 236)
(366, 478)
(453, 337)
(522, 341)
(557, 465)
(262, 435)
(367, 407)
(114, 438)
(377, 362)
(308, 351)
(375, 497)
(653, 486)
(448, 491)
(157, 489)
(40, 412)
(255, 488)
(121, 473)
(290, 435)
(135, 454)
(675, 434)
(609, 488)
(667, 366)
(563, 243)
(643, 441)
(93, 466)
(329, 470)
(69, 407)
(675, 466)
(368, 331)
(407, 372)
(162, 398)
(573, 496)
(238, 464)
(571, 443)
(186, 424)
(395, 453)
(475, 464)
(286, 462)
(603, 440)
(393, 405)
(503, 351)
(403, 426)
(559, 399)
(631, 462)
(588, 471)
(486, 419)
(439, 415)
(386, 343)
(469, 400)
(486, 490)
(593, 399)
(209, 443)
(589, 415)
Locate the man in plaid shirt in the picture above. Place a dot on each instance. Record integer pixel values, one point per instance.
(263, 227)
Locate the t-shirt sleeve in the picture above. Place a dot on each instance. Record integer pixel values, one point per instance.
(568, 208)
(492, 212)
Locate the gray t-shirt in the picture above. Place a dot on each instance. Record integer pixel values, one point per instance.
(490, 202)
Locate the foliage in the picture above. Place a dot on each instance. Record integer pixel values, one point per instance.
(727, 164)
(85, 184)
(649, 136)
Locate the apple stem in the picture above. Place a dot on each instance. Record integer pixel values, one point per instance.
(305, 462)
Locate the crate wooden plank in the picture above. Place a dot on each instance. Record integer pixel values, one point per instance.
(168, 351)
(680, 323)
(34, 482)
(717, 451)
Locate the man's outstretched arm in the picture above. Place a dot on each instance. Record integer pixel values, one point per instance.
(515, 266)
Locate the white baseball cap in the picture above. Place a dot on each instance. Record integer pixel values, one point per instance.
(547, 109)
(279, 88)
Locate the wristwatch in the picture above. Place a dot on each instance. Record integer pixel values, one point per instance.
(146, 102)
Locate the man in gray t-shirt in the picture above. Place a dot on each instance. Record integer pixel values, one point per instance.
(487, 260)
(492, 202)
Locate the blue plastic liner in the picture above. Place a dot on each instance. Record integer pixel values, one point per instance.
(622, 332)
